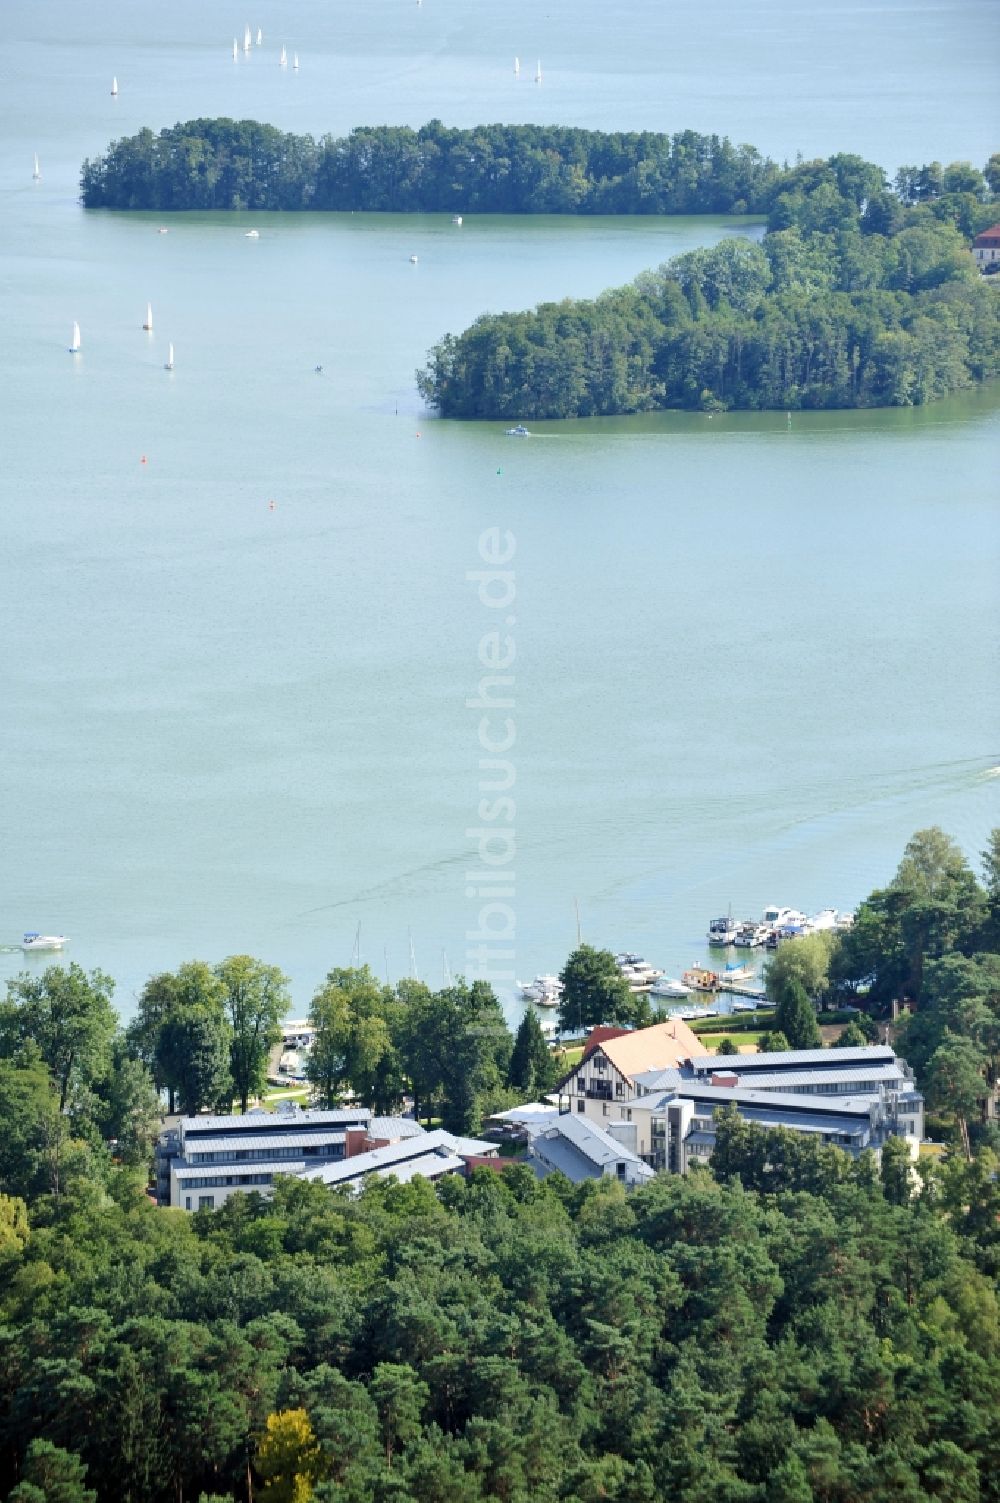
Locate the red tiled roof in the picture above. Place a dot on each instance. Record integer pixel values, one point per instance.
(601, 1036)
(988, 237)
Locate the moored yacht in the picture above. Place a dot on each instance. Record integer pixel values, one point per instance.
(639, 974)
(751, 936)
(669, 986)
(544, 991)
(723, 931)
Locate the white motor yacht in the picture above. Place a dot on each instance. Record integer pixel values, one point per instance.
(669, 986)
(639, 974)
(33, 941)
(752, 936)
(544, 991)
(723, 931)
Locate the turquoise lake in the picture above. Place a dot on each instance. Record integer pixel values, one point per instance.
(240, 630)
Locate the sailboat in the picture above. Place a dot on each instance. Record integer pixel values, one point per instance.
(148, 325)
(236, 50)
(169, 365)
(246, 39)
(74, 343)
(517, 66)
(538, 71)
(38, 171)
(283, 59)
(260, 36)
(295, 61)
(114, 87)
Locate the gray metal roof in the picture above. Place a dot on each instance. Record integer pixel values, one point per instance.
(377, 1159)
(597, 1146)
(297, 1140)
(846, 1079)
(430, 1165)
(258, 1166)
(557, 1153)
(261, 1121)
(657, 1080)
(795, 1059)
(714, 1097)
(394, 1128)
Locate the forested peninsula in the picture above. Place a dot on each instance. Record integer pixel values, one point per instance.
(858, 295)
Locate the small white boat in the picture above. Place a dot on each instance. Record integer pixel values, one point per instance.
(413, 260)
(745, 1006)
(538, 71)
(737, 973)
(826, 918)
(236, 50)
(295, 62)
(169, 363)
(246, 39)
(74, 340)
(37, 174)
(456, 219)
(114, 86)
(519, 432)
(33, 941)
(252, 235)
(148, 325)
(283, 59)
(163, 230)
(517, 67)
(260, 36)
(669, 986)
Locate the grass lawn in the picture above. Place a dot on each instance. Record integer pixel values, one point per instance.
(569, 1057)
(748, 1042)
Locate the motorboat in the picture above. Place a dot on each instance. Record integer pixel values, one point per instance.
(751, 936)
(700, 979)
(544, 991)
(414, 260)
(252, 235)
(35, 941)
(669, 986)
(639, 974)
(722, 931)
(745, 1006)
(844, 921)
(826, 918)
(738, 973)
(519, 431)
(775, 916)
(456, 219)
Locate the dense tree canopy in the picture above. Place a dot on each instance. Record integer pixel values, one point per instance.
(495, 169)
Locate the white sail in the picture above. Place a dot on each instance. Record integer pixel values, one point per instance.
(38, 171)
(283, 59)
(74, 343)
(236, 50)
(260, 36)
(170, 358)
(517, 66)
(295, 61)
(246, 39)
(538, 71)
(114, 86)
(148, 325)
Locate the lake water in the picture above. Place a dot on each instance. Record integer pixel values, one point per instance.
(239, 629)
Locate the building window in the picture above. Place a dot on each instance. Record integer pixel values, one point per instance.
(580, 1105)
(628, 1115)
(187, 1202)
(206, 1202)
(620, 1170)
(619, 1088)
(599, 1062)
